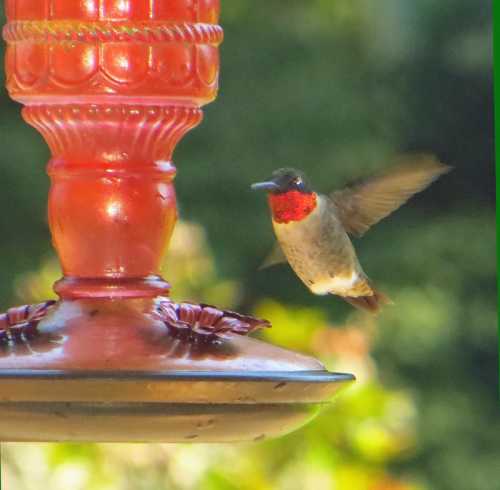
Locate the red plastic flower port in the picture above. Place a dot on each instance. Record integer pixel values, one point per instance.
(205, 323)
(19, 324)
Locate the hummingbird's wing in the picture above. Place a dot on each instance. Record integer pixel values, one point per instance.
(276, 256)
(365, 203)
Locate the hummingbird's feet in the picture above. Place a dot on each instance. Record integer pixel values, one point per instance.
(201, 323)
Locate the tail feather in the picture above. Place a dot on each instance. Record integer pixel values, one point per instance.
(371, 303)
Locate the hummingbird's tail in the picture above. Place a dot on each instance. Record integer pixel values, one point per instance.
(371, 303)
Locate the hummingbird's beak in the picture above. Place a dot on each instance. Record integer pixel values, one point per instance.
(265, 186)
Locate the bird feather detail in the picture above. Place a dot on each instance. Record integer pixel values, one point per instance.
(365, 203)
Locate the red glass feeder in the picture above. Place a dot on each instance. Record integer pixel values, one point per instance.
(113, 85)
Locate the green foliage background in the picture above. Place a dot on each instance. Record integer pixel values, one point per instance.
(335, 88)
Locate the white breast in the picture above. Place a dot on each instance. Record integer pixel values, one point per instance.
(338, 284)
(325, 265)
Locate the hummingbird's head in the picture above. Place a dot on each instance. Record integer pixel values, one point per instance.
(284, 180)
(291, 198)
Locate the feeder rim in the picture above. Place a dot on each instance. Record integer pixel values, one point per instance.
(310, 376)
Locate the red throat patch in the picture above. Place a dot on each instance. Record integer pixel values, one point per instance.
(292, 205)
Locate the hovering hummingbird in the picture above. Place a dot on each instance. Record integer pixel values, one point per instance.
(313, 229)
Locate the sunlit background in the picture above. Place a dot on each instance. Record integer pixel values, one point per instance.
(335, 88)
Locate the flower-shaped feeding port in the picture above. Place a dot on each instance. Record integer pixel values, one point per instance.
(112, 87)
(205, 323)
(18, 326)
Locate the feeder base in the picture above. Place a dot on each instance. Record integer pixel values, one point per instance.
(161, 407)
(114, 370)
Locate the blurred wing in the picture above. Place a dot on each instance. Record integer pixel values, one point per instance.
(363, 204)
(276, 256)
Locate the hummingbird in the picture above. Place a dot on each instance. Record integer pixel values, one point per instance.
(313, 230)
